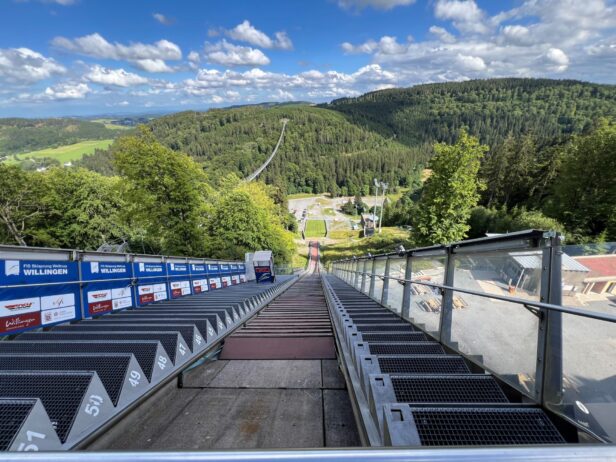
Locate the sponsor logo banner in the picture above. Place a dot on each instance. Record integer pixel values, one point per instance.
(226, 281)
(121, 292)
(215, 283)
(99, 296)
(57, 315)
(100, 307)
(160, 296)
(19, 306)
(14, 272)
(19, 322)
(120, 303)
(197, 269)
(235, 279)
(146, 298)
(91, 271)
(149, 269)
(57, 301)
(177, 268)
(242, 277)
(179, 284)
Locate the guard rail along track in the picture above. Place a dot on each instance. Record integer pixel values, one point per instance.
(61, 387)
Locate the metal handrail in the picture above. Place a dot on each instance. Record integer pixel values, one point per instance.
(520, 301)
(499, 454)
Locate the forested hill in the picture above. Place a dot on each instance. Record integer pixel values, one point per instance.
(321, 151)
(340, 147)
(490, 109)
(23, 135)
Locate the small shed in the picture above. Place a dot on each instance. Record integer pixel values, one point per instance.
(369, 222)
(522, 270)
(602, 276)
(263, 263)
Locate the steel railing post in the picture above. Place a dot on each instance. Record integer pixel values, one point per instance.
(549, 372)
(372, 279)
(363, 276)
(447, 299)
(356, 275)
(385, 293)
(406, 292)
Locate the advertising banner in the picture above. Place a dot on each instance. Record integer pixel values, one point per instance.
(225, 273)
(198, 277)
(107, 287)
(179, 279)
(56, 300)
(213, 272)
(264, 274)
(242, 270)
(151, 282)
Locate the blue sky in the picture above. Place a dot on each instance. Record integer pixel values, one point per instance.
(79, 57)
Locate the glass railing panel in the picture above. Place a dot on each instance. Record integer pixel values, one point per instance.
(426, 301)
(502, 335)
(379, 272)
(588, 345)
(397, 268)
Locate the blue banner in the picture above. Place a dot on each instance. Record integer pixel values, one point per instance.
(107, 287)
(179, 279)
(213, 272)
(23, 308)
(198, 278)
(151, 282)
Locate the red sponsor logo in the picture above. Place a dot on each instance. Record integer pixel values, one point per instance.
(175, 293)
(101, 295)
(100, 307)
(213, 285)
(19, 322)
(19, 306)
(262, 269)
(146, 298)
(224, 283)
(197, 289)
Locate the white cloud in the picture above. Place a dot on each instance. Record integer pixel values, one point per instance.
(66, 91)
(193, 60)
(386, 45)
(558, 58)
(153, 65)
(442, 34)
(227, 54)
(149, 57)
(376, 4)
(246, 32)
(115, 77)
(465, 14)
(164, 20)
(470, 63)
(23, 65)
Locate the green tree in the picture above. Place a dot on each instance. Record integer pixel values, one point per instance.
(82, 209)
(585, 191)
(450, 193)
(240, 224)
(21, 204)
(166, 194)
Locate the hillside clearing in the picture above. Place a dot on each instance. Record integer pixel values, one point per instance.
(66, 153)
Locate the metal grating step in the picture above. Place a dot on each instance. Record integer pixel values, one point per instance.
(402, 327)
(204, 327)
(424, 364)
(169, 341)
(187, 331)
(394, 337)
(469, 426)
(113, 370)
(448, 389)
(387, 321)
(426, 348)
(25, 426)
(146, 352)
(64, 396)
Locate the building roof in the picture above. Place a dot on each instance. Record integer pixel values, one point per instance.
(370, 217)
(532, 260)
(599, 265)
(262, 256)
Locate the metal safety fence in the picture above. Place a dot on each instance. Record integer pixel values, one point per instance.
(538, 314)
